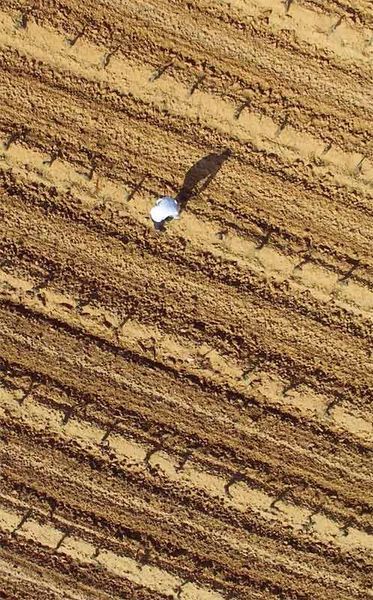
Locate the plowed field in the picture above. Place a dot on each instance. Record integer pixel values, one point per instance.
(186, 414)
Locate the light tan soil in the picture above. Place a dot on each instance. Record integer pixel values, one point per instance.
(186, 414)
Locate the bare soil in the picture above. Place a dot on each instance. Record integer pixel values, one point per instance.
(186, 414)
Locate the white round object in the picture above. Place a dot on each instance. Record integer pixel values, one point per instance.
(165, 208)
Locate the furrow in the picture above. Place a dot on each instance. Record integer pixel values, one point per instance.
(46, 420)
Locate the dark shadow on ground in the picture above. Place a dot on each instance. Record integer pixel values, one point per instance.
(200, 176)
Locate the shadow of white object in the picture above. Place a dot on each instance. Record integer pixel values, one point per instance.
(165, 208)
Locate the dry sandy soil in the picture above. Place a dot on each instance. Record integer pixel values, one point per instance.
(186, 414)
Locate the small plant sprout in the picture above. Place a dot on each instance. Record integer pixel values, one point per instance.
(153, 450)
(327, 149)
(359, 166)
(29, 391)
(235, 478)
(61, 541)
(144, 554)
(49, 277)
(179, 589)
(96, 553)
(355, 264)
(282, 126)
(22, 21)
(25, 518)
(335, 25)
(331, 405)
(112, 426)
(160, 71)
(292, 385)
(69, 412)
(241, 108)
(251, 368)
(72, 41)
(265, 238)
(307, 256)
(222, 233)
(367, 46)
(136, 188)
(187, 456)
(93, 166)
(107, 58)
(287, 5)
(345, 529)
(197, 83)
(15, 136)
(310, 520)
(55, 154)
(53, 507)
(279, 498)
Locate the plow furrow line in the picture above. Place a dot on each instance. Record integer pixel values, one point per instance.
(134, 117)
(172, 517)
(317, 472)
(270, 34)
(265, 19)
(244, 548)
(122, 566)
(227, 72)
(167, 398)
(241, 496)
(173, 96)
(300, 274)
(359, 10)
(265, 389)
(238, 198)
(115, 318)
(206, 363)
(185, 408)
(246, 428)
(291, 326)
(22, 577)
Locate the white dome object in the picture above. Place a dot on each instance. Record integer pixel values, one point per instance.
(164, 208)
